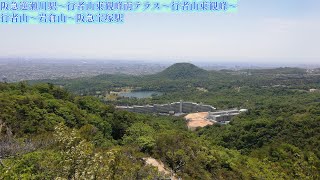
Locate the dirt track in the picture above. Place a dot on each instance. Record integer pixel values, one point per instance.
(197, 120)
(155, 163)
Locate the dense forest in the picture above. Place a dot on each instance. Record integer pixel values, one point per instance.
(49, 132)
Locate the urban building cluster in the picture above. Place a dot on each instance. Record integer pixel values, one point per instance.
(224, 117)
(180, 108)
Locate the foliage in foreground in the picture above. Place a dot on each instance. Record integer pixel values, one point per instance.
(48, 133)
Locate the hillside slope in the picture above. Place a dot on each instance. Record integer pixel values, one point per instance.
(183, 71)
(48, 133)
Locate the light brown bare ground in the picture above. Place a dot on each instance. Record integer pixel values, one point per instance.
(197, 120)
(158, 164)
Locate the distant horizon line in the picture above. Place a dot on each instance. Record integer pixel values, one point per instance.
(166, 61)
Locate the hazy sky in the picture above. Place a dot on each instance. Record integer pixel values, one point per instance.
(262, 30)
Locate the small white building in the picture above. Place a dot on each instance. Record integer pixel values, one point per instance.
(314, 90)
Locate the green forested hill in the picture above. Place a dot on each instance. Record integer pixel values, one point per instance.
(183, 71)
(48, 133)
(175, 77)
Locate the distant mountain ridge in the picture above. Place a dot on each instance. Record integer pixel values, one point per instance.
(183, 71)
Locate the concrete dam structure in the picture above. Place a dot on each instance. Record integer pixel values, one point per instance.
(172, 108)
